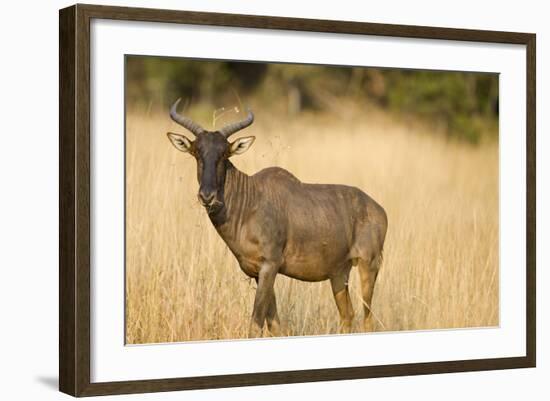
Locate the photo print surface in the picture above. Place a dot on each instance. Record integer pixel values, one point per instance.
(296, 200)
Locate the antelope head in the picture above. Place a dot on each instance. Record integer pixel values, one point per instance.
(211, 149)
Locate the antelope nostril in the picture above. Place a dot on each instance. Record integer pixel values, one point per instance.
(207, 198)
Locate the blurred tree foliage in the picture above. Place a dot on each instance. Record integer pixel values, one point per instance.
(464, 104)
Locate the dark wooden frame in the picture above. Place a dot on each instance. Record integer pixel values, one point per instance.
(74, 199)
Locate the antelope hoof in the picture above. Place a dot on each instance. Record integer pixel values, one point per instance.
(254, 331)
(345, 328)
(275, 329)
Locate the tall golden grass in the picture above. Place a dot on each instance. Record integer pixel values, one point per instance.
(440, 266)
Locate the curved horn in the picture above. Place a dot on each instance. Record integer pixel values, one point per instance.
(232, 128)
(186, 122)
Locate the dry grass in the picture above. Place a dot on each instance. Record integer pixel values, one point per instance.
(441, 253)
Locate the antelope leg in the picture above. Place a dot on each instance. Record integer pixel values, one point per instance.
(343, 302)
(262, 301)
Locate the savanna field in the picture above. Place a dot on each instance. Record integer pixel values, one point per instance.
(440, 266)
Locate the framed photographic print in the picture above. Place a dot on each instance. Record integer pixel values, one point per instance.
(250, 200)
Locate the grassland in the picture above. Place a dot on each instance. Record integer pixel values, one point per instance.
(440, 265)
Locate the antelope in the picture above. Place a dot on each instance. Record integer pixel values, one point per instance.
(275, 224)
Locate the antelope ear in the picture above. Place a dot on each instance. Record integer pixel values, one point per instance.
(241, 145)
(180, 142)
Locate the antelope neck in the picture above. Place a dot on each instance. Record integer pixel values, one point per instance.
(238, 195)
